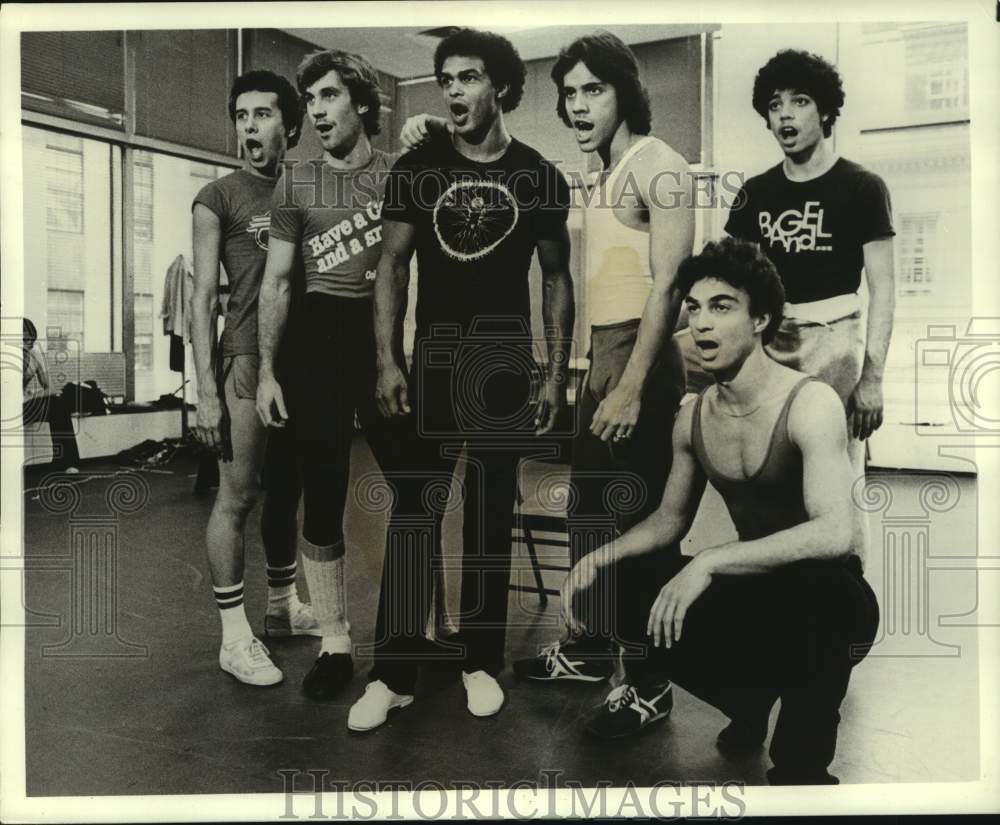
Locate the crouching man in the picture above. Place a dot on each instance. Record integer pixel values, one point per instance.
(784, 612)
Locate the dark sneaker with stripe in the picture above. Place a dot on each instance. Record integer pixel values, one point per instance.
(629, 709)
(566, 661)
(330, 674)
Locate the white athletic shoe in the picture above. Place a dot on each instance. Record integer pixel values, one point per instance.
(296, 620)
(372, 709)
(483, 693)
(248, 660)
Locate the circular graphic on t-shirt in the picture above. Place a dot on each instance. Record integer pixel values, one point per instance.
(472, 218)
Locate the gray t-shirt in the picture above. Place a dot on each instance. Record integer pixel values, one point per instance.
(335, 218)
(242, 202)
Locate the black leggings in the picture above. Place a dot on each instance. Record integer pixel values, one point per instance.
(335, 383)
(795, 633)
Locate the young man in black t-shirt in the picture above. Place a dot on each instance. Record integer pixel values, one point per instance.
(822, 219)
(474, 208)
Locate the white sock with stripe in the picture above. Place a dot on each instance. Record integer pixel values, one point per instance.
(229, 600)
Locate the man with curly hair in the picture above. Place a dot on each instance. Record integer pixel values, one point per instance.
(475, 208)
(639, 227)
(822, 219)
(782, 611)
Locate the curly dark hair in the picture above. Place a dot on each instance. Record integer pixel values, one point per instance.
(742, 265)
(503, 63)
(803, 72)
(356, 73)
(289, 104)
(612, 61)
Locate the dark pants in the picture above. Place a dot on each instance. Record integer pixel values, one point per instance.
(794, 633)
(457, 402)
(334, 383)
(618, 484)
(55, 410)
(281, 481)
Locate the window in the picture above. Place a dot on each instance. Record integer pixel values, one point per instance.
(65, 319)
(142, 286)
(916, 242)
(144, 332)
(69, 217)
(923, 69)
(937, 75)
(64, 183)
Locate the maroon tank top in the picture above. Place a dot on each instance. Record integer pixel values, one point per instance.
(772, 498)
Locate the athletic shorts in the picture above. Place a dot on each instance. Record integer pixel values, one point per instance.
(244, 369)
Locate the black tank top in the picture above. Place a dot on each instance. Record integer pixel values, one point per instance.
(772, 498)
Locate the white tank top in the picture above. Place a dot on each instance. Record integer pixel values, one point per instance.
(619, 278)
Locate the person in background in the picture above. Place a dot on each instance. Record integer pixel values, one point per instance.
(40, 404)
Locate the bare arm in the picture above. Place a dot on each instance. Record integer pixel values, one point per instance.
(865, 406)
(816, 426)
(666, 186)
(207, 242)
(272, 314)
(668, 524)
(558, 310)
(392, 279)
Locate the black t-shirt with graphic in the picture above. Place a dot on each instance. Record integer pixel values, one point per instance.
(814, 230)
(476, 228)
(474, 371)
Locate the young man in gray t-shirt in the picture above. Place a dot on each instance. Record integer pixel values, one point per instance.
(231, 220)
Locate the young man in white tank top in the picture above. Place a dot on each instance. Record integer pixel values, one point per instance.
(639, 227)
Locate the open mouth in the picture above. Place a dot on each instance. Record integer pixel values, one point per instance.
(788, 132)
(583, 127)
(323, 129)
(254, 148)
(707, 347)
(459, 111)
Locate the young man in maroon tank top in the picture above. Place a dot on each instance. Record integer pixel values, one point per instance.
(639, 227)
(784, 611)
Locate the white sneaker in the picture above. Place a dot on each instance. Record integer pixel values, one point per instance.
(483, 692)
(248, 660)
(372, 709)
(295, 620)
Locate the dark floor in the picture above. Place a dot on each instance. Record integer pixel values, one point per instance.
(166, 720)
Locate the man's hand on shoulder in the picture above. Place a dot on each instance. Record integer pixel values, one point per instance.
(421, 129)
